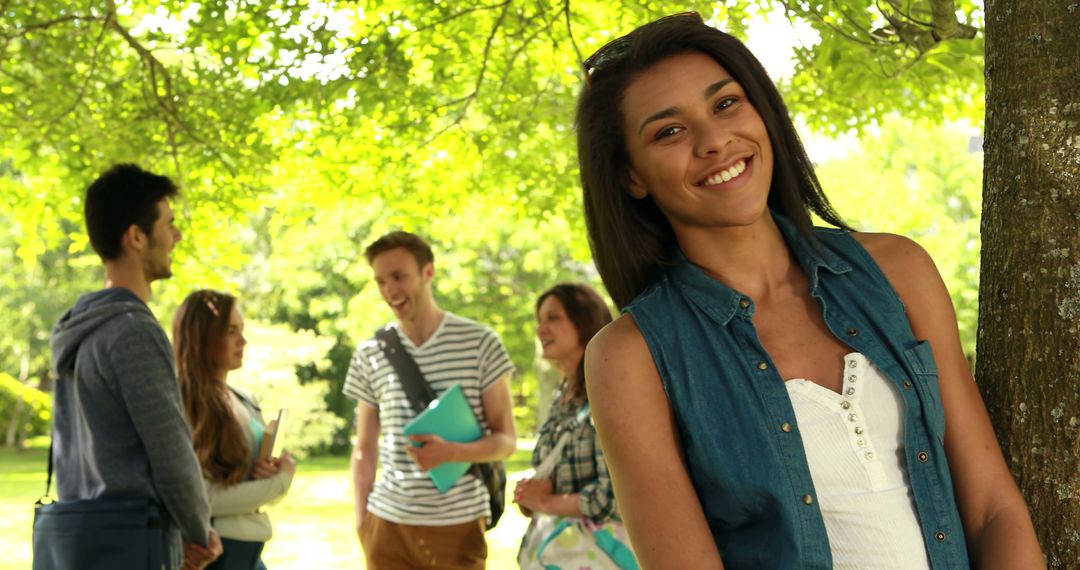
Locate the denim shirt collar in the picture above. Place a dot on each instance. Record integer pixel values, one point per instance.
(721, 302)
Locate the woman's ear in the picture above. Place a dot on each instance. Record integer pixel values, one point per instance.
(637, 189)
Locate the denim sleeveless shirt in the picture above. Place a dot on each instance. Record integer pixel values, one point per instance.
(735, 419)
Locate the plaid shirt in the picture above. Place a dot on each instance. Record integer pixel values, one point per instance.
(582, 468)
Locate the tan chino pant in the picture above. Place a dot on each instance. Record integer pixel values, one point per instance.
(392, 546)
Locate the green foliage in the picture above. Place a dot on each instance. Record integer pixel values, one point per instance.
(301, 131)
(272, 356)
(865, 59)
(923, 181)
(29, 407)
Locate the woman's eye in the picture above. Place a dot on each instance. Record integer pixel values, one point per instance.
(724, 103)
(667, 132)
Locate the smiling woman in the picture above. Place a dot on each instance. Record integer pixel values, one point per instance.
(571, 476)
(705, 158)
(775, 395)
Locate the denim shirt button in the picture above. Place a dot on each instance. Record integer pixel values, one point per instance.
(808, 499)
(852, 331)
(940, 536)
(762, 366)
(785, 427)
(744, 302)
(924, 456)
(907, 384)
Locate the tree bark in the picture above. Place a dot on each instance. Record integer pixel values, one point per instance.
(1029, 324)
(548, 379)
(15, 426)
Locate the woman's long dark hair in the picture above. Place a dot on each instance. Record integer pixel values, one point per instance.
(199, 329)
(589, 313)
(632, 242)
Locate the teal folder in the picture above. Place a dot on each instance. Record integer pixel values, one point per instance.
(450, 417)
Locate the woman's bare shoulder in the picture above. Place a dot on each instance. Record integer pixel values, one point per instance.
(905, 263)
(620, 334)
(618, 352)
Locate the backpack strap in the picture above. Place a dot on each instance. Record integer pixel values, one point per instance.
(48, 478)
(412, 379)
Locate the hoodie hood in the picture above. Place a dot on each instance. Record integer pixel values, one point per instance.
(89, 313)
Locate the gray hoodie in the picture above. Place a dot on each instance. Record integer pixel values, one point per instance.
(119, 428)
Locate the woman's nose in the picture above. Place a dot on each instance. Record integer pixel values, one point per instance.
(711, 139)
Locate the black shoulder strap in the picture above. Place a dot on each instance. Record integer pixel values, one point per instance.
(412, 380)
(48, 479)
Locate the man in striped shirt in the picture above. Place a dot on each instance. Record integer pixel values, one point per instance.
(402, 520)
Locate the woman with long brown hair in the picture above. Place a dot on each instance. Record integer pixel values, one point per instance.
(774, 395)
(227, 426)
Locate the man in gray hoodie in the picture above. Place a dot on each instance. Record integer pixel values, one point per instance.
(119, 428)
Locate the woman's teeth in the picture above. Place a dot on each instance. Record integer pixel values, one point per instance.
(726, 175)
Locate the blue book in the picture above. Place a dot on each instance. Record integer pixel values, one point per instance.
(450, 417)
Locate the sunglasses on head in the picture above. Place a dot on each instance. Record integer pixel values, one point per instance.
(613, 51)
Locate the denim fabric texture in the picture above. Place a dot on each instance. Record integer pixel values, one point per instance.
(730, 404)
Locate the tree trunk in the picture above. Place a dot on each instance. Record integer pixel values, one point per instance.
(548, 379)
(15, 426)
(1029, 295)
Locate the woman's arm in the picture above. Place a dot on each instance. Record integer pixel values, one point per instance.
(595, 499)
(248, 496)
(637, 431)
(996, 519)
(537, 496)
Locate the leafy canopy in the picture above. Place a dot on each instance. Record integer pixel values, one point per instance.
(301, 130)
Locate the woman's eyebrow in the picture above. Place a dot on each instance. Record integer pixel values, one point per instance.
(708, 92)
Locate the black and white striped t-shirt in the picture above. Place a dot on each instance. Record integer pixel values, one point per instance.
(460, 352)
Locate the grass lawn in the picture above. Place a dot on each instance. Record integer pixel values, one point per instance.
(313, 526)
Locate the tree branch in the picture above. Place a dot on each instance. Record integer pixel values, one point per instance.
(521, 48)
(50, 23)
(24, 81)
(900, 70)
(94, 59)
(946, 25)
(899, 8)
(166, 103)
(452, 17)
(903, 27)
(570, 34)
(466, 100)
(792, 13)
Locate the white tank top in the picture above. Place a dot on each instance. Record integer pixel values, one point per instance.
(854, 444)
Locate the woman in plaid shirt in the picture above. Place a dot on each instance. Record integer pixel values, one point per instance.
(568, 315)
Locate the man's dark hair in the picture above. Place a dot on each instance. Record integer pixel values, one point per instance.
(631, 240)
(393, 240)
(123, 196)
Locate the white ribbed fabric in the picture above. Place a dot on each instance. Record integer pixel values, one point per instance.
(854, 444)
